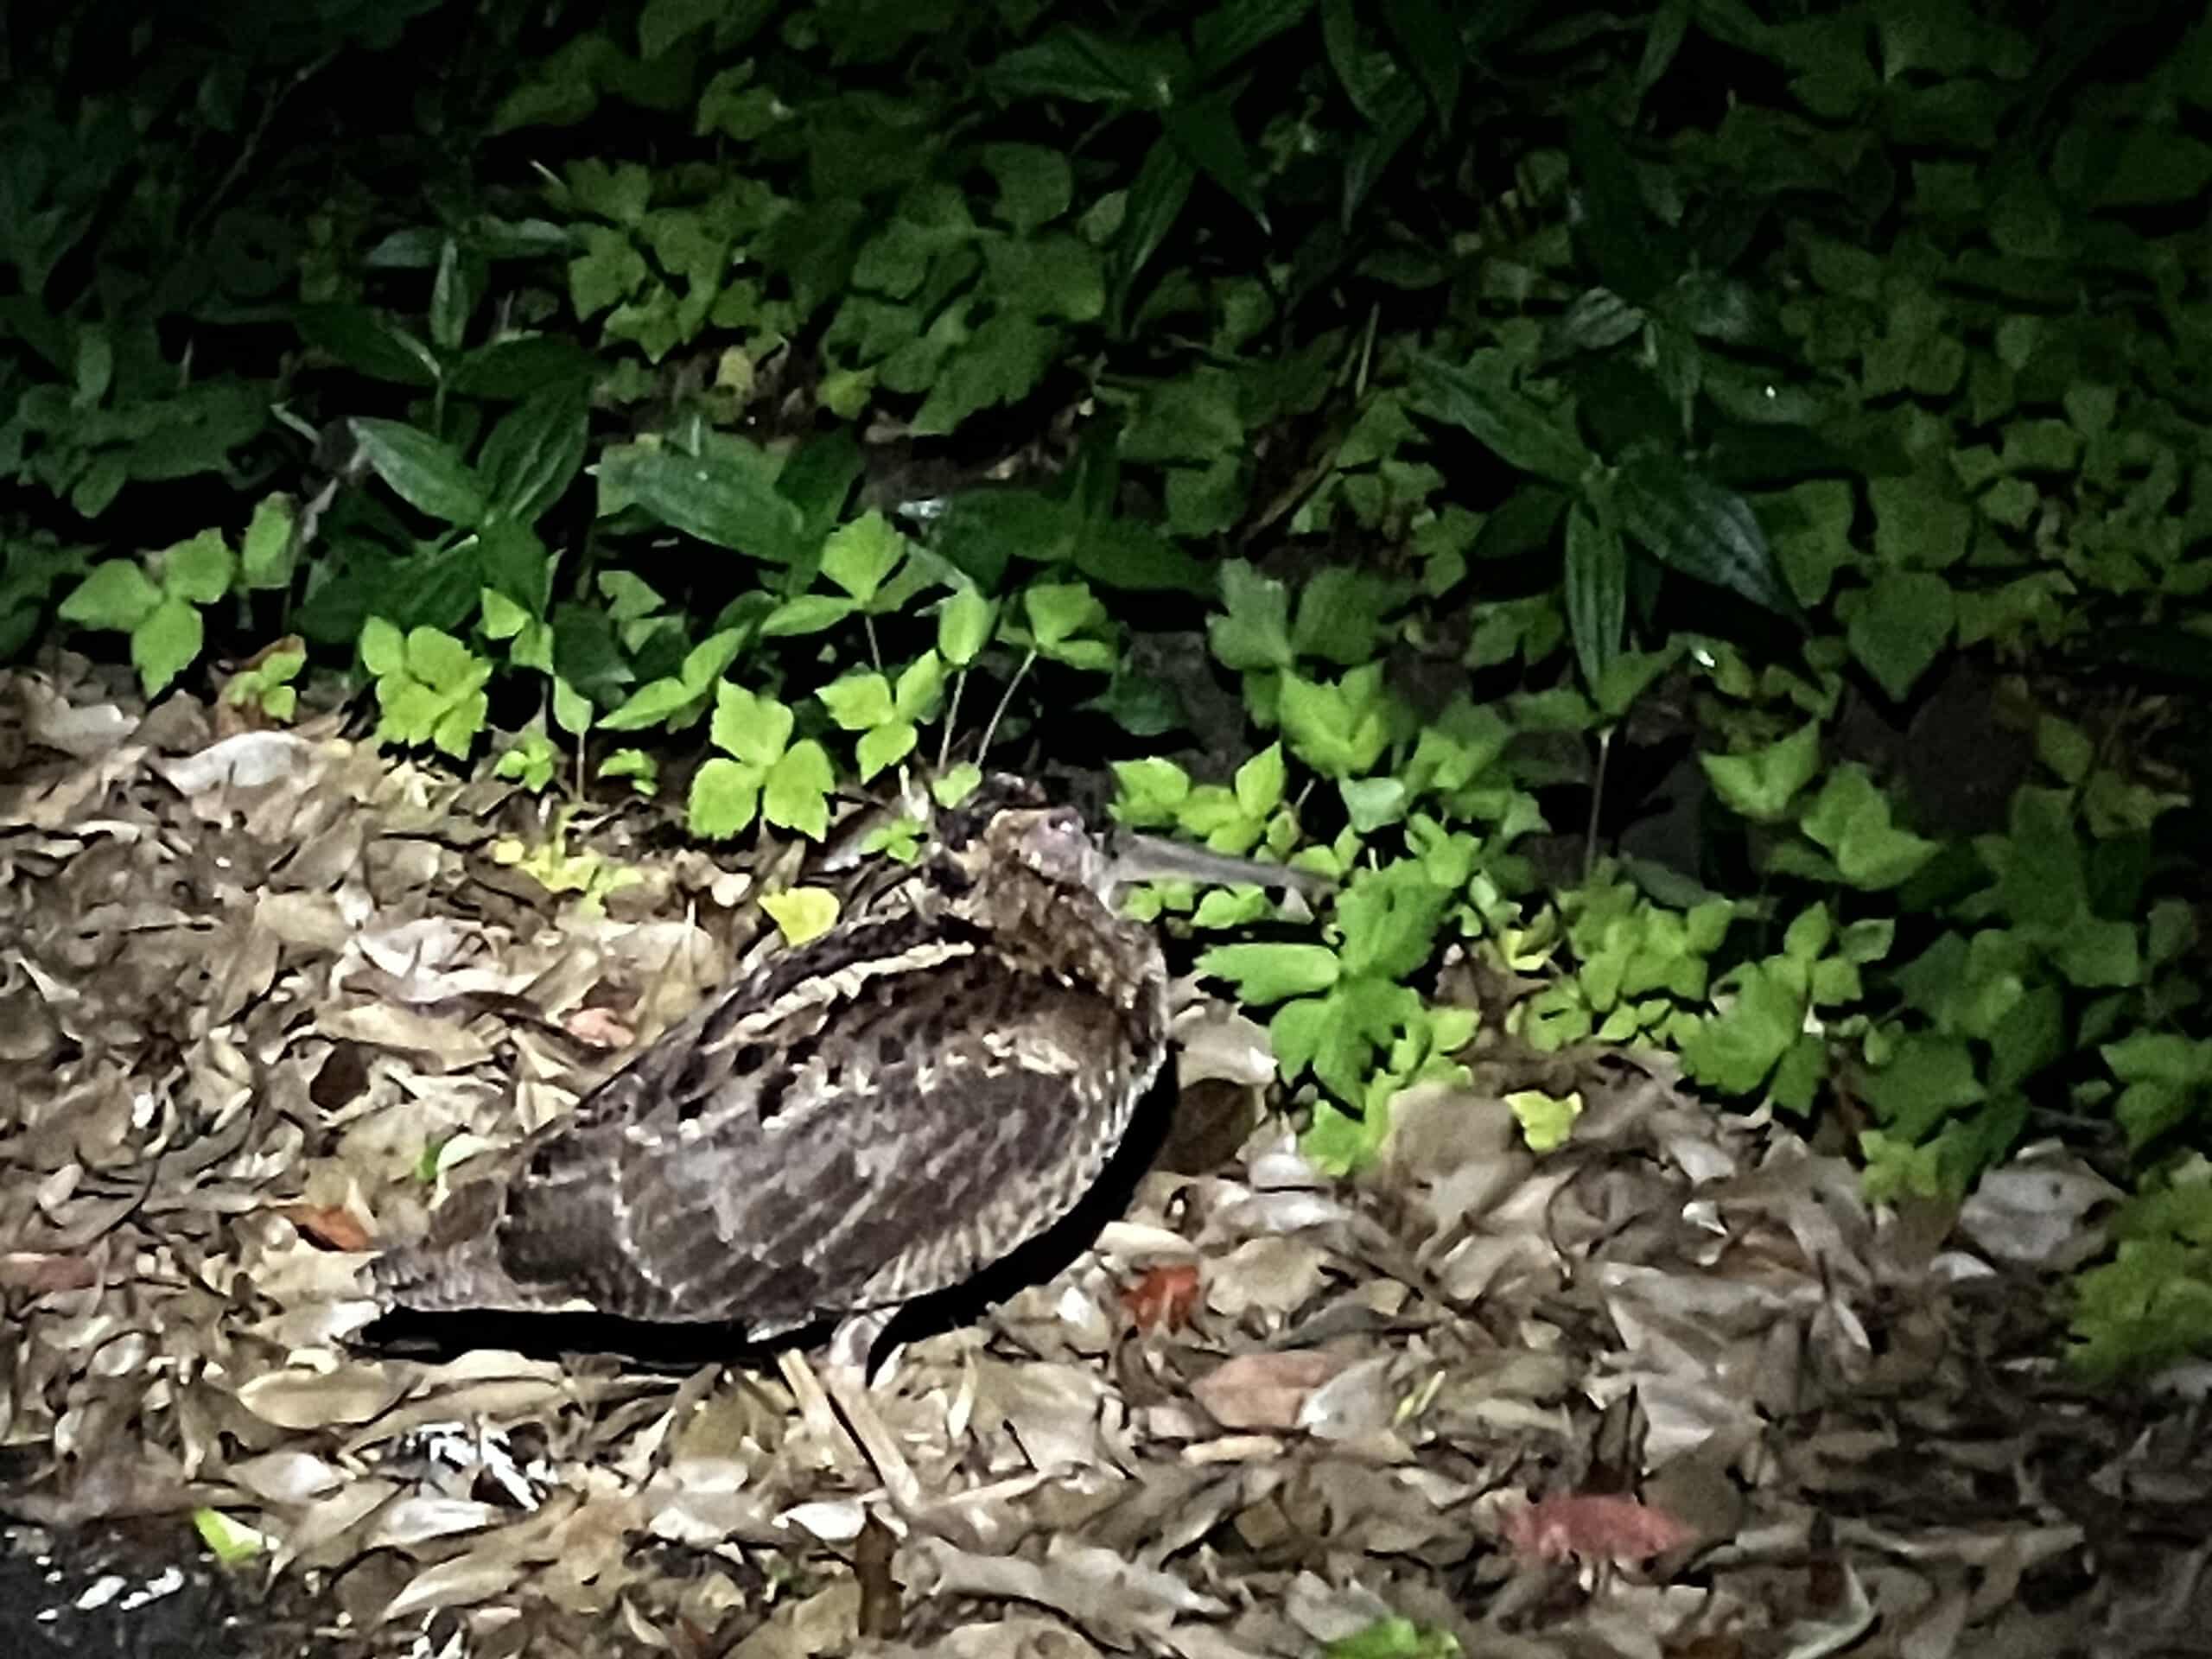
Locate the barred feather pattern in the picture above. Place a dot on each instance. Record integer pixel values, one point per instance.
(873, 1116)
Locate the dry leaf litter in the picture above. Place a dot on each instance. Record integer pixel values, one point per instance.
(1672, 1390)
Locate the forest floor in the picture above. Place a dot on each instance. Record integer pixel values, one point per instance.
(1673, 1389)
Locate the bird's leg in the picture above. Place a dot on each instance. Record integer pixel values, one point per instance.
(845, 1377)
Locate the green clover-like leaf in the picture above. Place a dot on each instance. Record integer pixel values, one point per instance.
(801, 913)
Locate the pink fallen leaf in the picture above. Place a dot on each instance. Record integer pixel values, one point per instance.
(600, 1027)
(38, 1272)
(1161, 1297)
(1595, 1527)
(1264, 1390)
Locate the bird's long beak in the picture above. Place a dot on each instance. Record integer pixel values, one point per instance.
(1133, 858)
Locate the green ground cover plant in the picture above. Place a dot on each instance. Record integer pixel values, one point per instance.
(1415, 441)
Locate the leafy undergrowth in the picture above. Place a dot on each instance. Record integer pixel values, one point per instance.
(1695, 516)
(1625, 1378)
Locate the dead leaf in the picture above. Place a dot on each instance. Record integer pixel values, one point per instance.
(1264, 1390)
(1594, 1527)
(1162, 1297)
(600, 1027)
(332, 1226)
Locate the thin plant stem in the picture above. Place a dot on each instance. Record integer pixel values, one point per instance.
(1597, 800)
(951, 717)
(999, 713)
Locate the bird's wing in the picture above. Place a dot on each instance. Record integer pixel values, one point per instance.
(857, 1124)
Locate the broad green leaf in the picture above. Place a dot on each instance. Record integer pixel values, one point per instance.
(1635, 254)
(1692, 524)
(808, 613)
(1269, 973)
(964, 624)
(859, 556)
(2065, 748)
(858, 700)
(1547, 1121)
(1925, 1081)
(1371, 803)
(725, 795)
(2042, 879)
(383, 647)
(1428, 37)
(1340, 613)
(1734, 1049)
(1254, 633)
(1058, 611)
(268, 558)
(1851, 819)
(1155, 203)
(114, 594)
(230, 1541)
(2099, 954)
(369, 343)
(1231, 31)
(1088, 68)
(1395, 1638)
(449, 300)
(1596, 593)
(955, 785)
(885, 745)
(921, 684)
(650, 704)
(198, 570)
(1761, 784)
(1151, 793)
(1126, 554)
(438, 660)
(1339, 730)
(1205, 130)
(1391, 918)
(1511, 423)
(711, 496)
(755, 728)
(1036, 184)
(535, 452)
(503, 618)
(1900, 626)
(796, 793)
(704, 662)
(801, 913)
(1003, 362)
(423, 471)
(572, 713)
(664, 22)
(95, 365)
(2160, 1057)
(166, 644)
(1260, 780)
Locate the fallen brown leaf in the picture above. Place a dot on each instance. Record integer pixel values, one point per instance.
(1162, 1297)
(1264, 1390)
(330, 1225)
(1594, 1527)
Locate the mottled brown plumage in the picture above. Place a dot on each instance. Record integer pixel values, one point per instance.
(863, 1119)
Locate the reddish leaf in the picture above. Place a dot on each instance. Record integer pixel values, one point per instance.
(1162, 1297)
(1264, 1390)
(1595, 1528)
(600, 1027)
(39, 1273)
(332, 1226)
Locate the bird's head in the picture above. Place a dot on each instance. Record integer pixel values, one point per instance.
(1008, 825)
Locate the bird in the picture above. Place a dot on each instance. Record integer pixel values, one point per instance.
(855, 1121)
